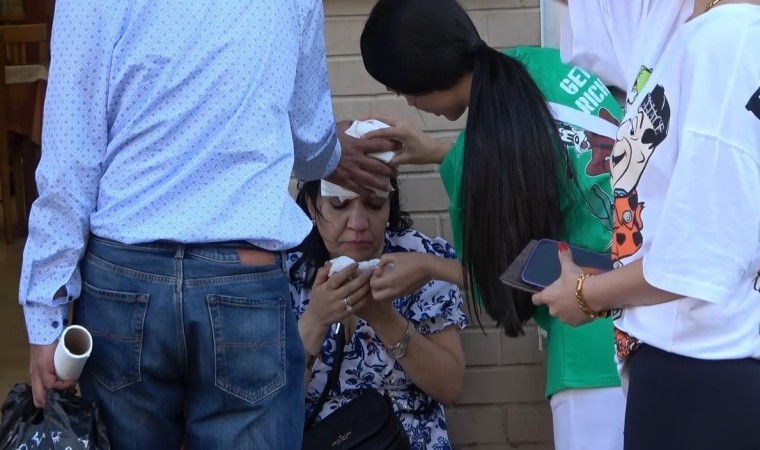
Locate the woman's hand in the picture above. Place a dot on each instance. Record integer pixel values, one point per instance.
(334, 298)
(416, 146)
(560, 295)
(399, 275)
(375, 311)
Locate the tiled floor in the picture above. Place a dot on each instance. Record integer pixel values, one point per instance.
(14, 349)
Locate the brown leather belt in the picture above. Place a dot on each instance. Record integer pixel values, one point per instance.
(255, 257)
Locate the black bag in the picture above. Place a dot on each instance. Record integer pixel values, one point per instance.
(66, 422)
(365, 423)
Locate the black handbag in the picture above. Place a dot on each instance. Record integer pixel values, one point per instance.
(365, 423)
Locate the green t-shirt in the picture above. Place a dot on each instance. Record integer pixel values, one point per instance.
(580, 357)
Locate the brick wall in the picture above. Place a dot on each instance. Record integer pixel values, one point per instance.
(502, 406)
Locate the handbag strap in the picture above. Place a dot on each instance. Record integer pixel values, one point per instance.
(332, 379)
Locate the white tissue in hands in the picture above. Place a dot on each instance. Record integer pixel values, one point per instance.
(338, 264)
(341, 262)
(370, 265)
(361, 127)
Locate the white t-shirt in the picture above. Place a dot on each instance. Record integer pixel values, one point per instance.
(686, 165)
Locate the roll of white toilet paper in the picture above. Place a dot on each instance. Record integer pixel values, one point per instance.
(72, 352)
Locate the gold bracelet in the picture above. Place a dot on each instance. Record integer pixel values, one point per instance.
(582, 301)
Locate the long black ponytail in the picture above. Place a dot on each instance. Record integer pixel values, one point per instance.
(511, 178)
(510, 182)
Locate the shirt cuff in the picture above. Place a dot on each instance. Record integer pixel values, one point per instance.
(332, 164)
(44, 324)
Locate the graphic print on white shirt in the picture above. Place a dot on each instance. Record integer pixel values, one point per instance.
(638, 138)
(686, 193)
(753, 105)
(638, 86)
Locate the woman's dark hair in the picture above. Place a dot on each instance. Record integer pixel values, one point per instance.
(314, 253)
(513, 155)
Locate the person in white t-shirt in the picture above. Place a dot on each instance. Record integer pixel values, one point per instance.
(686, 239)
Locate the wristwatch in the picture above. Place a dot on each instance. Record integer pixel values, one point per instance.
(398, 350)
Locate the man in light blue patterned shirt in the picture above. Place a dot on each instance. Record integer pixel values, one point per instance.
(171, 131)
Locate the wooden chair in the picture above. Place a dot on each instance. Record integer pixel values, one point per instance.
(21, 45)
(12, 11)
(26, 44)
(5, 161)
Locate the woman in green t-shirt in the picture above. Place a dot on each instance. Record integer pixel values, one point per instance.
(533, 163)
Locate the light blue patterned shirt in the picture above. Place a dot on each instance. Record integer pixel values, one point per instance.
(179, 120)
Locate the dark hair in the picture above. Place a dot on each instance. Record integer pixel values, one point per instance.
(513, 159)
(314, 253)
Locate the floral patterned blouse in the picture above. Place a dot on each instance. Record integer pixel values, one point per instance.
(366, 363)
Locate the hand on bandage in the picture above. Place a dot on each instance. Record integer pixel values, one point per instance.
(358, 129)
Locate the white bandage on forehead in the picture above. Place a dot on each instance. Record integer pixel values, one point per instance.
(358, 129)
(343, 194)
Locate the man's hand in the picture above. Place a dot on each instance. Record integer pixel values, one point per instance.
(42, 373)
(356, 170)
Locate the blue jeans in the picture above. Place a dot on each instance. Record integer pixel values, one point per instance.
(191, 345)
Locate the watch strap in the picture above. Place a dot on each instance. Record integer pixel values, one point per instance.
(398, 350)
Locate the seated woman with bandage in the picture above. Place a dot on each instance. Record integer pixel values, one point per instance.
(409, 348)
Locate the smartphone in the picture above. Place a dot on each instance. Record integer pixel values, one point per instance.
(542, 267)
(512, 277)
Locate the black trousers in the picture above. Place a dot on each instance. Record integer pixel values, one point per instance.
(675, 403)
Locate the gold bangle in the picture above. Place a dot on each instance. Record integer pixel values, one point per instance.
(582, 301)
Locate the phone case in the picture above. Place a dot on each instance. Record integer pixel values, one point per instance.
(591, 262)
(512, 277)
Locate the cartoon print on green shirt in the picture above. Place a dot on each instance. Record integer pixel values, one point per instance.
(580, 141)
(599, 205)
(599, 149)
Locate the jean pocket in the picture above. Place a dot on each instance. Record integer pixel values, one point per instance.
(115, 320)
(249, 345)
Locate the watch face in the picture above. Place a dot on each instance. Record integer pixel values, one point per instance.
(397, 351)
